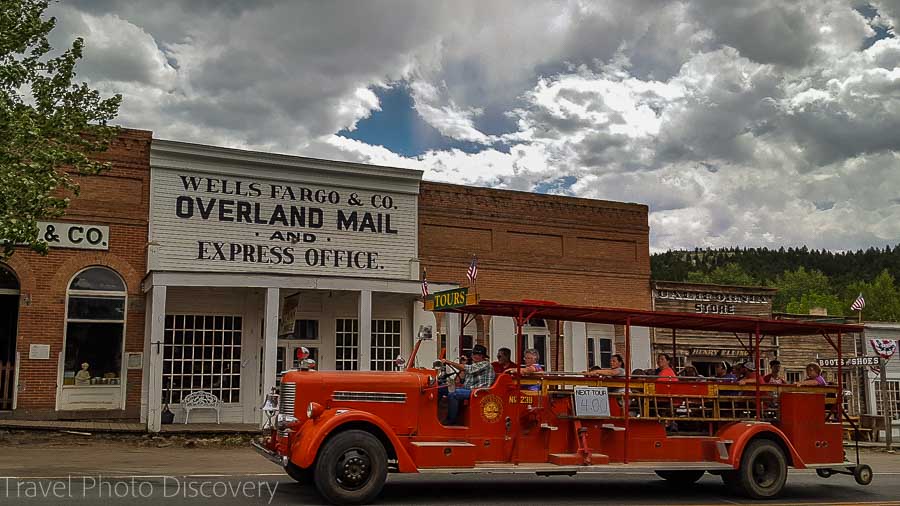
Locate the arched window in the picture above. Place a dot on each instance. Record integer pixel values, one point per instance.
(95, 328)
(9, 284)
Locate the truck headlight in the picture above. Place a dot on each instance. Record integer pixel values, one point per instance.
(314, 410)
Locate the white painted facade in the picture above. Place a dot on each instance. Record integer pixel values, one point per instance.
(222, 262)
(890, 331)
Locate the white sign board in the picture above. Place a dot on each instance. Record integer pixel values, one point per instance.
(850, 362)
(591, 402)
(39, 352)
(204, 222)
(74, 235)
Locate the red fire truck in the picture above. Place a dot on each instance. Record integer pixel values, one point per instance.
(345, 431)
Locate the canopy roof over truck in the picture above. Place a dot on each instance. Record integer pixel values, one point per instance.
(656, 319)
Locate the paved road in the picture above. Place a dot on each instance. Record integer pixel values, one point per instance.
(804, 488)
(105, 472)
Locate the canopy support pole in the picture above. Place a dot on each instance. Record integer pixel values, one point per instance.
(758, 378)
(627, 384)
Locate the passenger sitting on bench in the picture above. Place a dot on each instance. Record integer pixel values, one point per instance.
(813, 376)
(531, 366)
(478, 374)
(663, 369)
(746, 373)
(615, 368)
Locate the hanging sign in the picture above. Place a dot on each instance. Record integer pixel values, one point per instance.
(850, 361)
(450, 299)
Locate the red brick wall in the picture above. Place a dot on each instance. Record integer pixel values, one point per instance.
(533, 246)
(120, 199)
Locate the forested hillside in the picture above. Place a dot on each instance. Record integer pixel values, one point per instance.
(805, 278)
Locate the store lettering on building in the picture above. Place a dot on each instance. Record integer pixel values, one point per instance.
(712, 302)
(276, 223)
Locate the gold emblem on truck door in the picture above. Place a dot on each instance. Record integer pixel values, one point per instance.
(491, 408)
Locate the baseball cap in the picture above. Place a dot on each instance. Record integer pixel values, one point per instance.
(479, 349)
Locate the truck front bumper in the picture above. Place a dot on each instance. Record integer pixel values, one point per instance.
(281, 460)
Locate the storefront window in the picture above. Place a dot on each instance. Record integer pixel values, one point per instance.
(346, 352)
(385, 344)
(95, 328)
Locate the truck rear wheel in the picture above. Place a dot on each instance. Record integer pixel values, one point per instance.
(351, 468)
(300, 475)
(681, 477)
(763, 471)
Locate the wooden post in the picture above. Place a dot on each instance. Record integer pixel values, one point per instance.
(888, 431)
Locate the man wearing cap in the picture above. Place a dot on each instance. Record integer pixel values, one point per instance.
(478, 374)
(747, 373)
(774, 377)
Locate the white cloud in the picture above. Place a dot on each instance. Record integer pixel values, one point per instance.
(738, 123)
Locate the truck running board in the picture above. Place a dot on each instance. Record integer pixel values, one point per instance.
(545, 468)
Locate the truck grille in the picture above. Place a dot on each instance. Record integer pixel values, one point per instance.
(288, 397)
(399, 397)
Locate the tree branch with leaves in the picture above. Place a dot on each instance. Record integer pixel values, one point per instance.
(50, 125)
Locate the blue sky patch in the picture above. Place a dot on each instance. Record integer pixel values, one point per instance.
(399, 128)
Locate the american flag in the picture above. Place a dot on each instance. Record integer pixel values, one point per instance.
(472, 273)
(424, 284)
(858, 304)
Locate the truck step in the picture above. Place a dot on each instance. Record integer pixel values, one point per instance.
(576, 459)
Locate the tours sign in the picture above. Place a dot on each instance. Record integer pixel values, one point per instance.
(216, 222)
(450, 299)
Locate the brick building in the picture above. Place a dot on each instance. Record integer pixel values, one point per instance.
(81, 303)
(564, 249)
(188, 267)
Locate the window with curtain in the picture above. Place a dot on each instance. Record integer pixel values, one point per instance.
(95, 328)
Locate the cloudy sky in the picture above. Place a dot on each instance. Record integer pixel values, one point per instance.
(748, 123)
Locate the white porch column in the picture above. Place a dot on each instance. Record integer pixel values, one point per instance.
(365, 329)
(641, 349)
(575, 345)
(154, 329)
(453, 323)
(503, 335)
(270, 340)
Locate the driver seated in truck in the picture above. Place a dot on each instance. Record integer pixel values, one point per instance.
(478, 374)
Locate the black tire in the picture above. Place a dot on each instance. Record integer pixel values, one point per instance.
(763, 471)
(862, 474)
(299, 474)
(681, 477)
(824, 473)
(351, 468)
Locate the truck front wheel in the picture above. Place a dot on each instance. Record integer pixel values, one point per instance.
(351, 468)
(763, 471)
(300, 475)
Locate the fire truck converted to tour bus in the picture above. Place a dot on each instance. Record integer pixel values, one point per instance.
(344, 431)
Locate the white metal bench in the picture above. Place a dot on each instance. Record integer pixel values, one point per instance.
(200, 400)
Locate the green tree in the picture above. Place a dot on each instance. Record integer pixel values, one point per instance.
(793, 285)
(881, 295)
(807, 301)
(50, 126)
(728, 274)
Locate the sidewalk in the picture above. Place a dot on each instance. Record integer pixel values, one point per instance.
(126, 427)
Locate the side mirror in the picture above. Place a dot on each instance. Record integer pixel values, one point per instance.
(424, 333)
